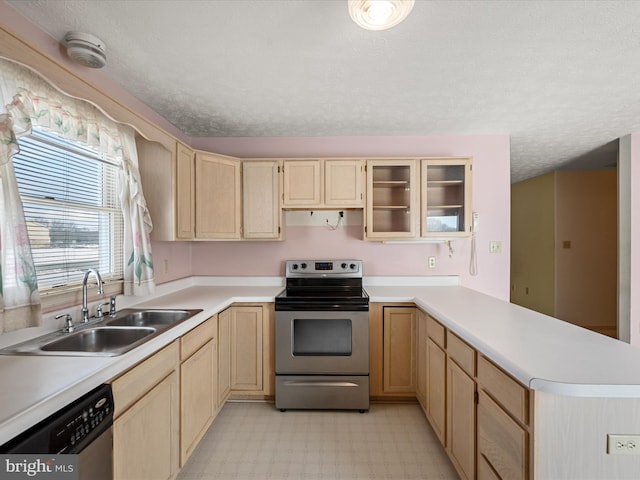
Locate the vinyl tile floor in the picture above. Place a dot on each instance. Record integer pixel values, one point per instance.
(255, 441)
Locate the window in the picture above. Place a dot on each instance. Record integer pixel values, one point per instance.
(71, 208)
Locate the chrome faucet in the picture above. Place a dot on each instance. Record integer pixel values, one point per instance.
(85, 308)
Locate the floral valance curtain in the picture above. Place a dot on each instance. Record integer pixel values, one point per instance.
(27, 99)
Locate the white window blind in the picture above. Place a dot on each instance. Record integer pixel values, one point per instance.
(71, 208)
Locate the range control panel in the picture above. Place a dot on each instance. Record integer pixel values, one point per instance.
(324, 268)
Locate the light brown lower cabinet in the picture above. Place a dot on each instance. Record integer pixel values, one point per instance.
(436, 389)
(246, 348)
(421, 359)
(198, 385)
(461, 406)
(501, 441)
(224, 357)
(503, 424)
(146, 427)
(399, 359)
(480, 414)
(461, 420)
(485, 471)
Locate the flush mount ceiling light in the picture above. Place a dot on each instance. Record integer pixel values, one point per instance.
(379, 14)
(85, 49)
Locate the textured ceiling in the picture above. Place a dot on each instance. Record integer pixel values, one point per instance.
(562, 78)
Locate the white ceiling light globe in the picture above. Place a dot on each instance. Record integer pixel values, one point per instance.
(379, 14)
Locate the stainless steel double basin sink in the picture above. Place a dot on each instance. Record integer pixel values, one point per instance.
(107, 336)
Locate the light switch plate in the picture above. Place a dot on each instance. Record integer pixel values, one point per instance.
(495, 246)
(623, 444)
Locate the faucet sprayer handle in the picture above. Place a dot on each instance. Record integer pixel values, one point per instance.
(99, 313)
(68, 327)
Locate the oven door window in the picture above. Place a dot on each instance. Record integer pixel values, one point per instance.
(322, 337)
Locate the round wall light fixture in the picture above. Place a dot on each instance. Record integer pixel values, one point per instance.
(85, 49)
(379, 14)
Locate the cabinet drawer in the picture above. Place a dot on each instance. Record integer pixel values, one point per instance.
(513, 397)
(131, 386)
(501, 441)
(197, 337)
(461, 353)
(485, 471)
(436, 331)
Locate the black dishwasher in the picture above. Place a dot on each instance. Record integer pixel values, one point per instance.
(82, 427)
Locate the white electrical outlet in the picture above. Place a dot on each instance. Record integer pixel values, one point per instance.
(432, 262)
(623, 444)
(495, 246)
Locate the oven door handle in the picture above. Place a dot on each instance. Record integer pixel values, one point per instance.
(318, 383)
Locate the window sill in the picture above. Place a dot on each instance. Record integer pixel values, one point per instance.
(54, 299)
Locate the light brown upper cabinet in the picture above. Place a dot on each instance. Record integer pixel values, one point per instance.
(392, 199)
(218, 197)
(322, 183)
(393, 196)
(185, 193)
(156, 165)
(446, 197)
(262, 215)
(343, 183)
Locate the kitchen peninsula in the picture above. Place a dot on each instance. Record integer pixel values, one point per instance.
(569, 374)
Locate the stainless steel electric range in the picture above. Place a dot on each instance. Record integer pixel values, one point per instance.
(322, 337)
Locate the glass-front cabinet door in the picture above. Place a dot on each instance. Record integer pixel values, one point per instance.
(392, 199)
(446, 197)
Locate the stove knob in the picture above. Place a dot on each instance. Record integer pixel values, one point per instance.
(352, 266)
(303, 265)
(294, 266)
(344, 265)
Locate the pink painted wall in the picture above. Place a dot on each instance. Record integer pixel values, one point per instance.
(491, 199)
(172, 260)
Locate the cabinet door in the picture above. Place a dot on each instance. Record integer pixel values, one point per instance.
(302, 183)
(155, 164)
(246, 348)
(198, 397)
(436, 388)
(421, 359)
(261, 199)
(446, 197)
(392, 199)
(224, 356)
(461, 420)
(218, 197)
(185, 193)
(501, 441)
(343, 183)
(399, 326)
(145, 437)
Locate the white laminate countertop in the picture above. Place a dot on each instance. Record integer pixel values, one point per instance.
(541, 352)
(34, 387)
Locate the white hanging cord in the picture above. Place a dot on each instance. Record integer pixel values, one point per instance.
(473, 262)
